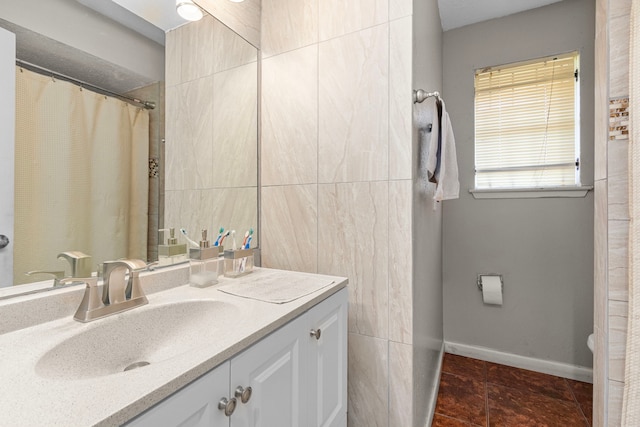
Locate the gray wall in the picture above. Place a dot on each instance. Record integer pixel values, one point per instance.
(543, 247)
(427, 224)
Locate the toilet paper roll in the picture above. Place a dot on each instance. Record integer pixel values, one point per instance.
(491, 290)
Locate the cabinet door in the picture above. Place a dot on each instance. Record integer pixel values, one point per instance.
(196, 405)
(274, 369)
(328, 362)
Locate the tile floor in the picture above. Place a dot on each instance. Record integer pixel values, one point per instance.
(478, 393)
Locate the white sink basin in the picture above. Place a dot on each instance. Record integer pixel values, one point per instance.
(134, 339)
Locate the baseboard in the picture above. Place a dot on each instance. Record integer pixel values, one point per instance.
(579, 373)
(434, 397)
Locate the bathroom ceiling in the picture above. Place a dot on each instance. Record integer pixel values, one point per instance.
(458, 13)
(151, 18)
(161, 14)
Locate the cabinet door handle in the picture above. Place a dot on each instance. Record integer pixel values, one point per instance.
(316, 333)
(227, 405)
(4, 241)
(244, 394)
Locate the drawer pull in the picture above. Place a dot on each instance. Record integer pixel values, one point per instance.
(244, 394)
(227, 405)
(316, 333)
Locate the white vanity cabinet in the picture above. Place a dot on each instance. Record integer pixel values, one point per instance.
(274, 368)
(196, 405)
(297, 377)
(327, 370)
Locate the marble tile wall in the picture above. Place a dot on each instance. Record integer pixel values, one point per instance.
(353, 137)
(211, 129)
(242, 17)
(335, 160)
(336, 187)
(601, 132)
(611, 213)
(290, 117)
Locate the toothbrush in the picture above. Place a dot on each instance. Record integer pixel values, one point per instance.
(248, 245)
(217, 242)
(224, 236)
(246, 236)
(184, 233)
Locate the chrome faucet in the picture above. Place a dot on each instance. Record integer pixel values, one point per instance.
(117, 294)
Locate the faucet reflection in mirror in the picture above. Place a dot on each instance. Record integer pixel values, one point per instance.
(79, 262)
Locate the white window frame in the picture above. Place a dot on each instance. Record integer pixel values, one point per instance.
(573, 189)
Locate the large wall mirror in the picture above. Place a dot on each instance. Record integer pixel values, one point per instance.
(202, 168)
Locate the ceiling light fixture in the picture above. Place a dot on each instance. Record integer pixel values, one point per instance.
(188, 10)
(237, 1)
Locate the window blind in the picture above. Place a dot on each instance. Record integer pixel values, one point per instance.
(526, 124)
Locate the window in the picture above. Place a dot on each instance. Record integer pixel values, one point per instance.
(527, 124)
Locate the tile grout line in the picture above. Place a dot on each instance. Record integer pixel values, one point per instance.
(575, 400)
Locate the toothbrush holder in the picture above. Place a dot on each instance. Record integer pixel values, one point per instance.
(204, 253)
(238, 263)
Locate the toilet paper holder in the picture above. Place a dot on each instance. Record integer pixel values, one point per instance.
(479, 280)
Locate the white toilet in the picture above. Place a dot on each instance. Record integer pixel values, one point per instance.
(590, 342)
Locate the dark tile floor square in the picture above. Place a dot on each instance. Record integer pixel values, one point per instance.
(462, 398)
(465, 366)
(475, 393)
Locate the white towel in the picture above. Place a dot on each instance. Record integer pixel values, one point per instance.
(269, 286)
(430, 163)
(426, 119)
(442, 163)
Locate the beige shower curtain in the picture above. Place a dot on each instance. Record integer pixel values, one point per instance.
(81, 175)
(631, 399)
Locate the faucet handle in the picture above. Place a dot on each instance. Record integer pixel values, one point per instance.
(134, 265)
(134, 289)
(57, 275)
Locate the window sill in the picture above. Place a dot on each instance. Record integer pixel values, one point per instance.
(530, 193)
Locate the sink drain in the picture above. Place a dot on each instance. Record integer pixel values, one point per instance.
(136, 365)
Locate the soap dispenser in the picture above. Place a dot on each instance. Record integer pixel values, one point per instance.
(205, 263)
(170, 252)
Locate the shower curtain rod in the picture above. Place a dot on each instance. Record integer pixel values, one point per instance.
(148, 105)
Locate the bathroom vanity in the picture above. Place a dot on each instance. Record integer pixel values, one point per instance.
(202, 355)
(294, 376)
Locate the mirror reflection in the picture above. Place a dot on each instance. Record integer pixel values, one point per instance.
(196, 167)
(211, 130)
(80, 176)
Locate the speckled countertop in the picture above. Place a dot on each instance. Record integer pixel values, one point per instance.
(37, 394)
